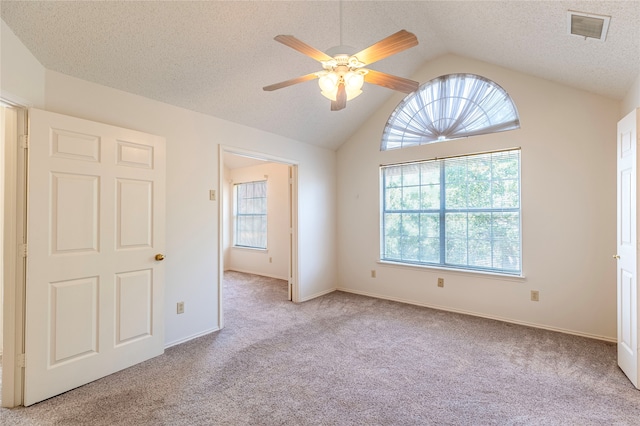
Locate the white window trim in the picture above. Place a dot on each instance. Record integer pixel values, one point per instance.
(453, 269)
(235, 216)
(489, 274)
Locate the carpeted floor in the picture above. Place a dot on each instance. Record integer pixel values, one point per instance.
(344, 359)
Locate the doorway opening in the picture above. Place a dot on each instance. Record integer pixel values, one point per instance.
(276, 255)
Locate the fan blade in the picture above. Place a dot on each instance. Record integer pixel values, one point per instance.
(341, 99)
(302, 47)
(395, 43)
(291, 82)
(391, 81)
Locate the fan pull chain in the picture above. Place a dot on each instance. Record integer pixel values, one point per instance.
(340, 21)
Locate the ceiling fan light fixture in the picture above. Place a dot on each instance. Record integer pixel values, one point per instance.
(344, 74)
(332, 95)
(353, 93)
(353, 80)
(328, 82)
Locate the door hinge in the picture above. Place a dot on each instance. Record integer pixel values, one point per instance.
(21, 360)
(23, 251)
(24, 141)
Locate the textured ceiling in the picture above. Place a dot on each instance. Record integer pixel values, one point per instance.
(215, 56)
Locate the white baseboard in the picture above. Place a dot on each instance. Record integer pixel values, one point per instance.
(244, 271)
(476, 314)
(193, 336)
(322, 293)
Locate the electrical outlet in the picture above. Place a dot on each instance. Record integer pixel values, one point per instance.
(440, 282)
(373, 273)
(180, 307)
(535, 296)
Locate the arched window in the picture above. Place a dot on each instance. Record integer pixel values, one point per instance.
(449, 107)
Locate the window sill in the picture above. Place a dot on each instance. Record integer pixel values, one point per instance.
(250, 249)
(484, 274)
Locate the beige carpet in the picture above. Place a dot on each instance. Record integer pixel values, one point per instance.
(344, 359)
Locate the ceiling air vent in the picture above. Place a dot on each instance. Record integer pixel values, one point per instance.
(588, 25)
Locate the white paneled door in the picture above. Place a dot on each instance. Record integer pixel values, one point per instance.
(96, 217)
(627, 241)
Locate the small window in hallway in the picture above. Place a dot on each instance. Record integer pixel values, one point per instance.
(250, 214)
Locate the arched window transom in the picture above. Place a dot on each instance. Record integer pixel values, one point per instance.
(450, 107)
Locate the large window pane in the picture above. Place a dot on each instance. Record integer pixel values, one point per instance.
(462, 212)
(429, 197)
(393, 198)
(479, 226)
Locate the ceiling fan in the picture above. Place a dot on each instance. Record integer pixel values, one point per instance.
(344, 74)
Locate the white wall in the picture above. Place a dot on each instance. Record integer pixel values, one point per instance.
(22, 81)
(192, 170)
(273, 262)
(21, 75)
(632, 100)
(568, 140)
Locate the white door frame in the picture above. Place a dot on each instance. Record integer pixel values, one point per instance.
(627, 249)
(293, 206)
(15, 211)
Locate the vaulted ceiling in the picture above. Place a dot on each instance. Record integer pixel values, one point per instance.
(214, 57)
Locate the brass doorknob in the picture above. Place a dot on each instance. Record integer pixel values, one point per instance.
(616, 256)
(159, 257)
